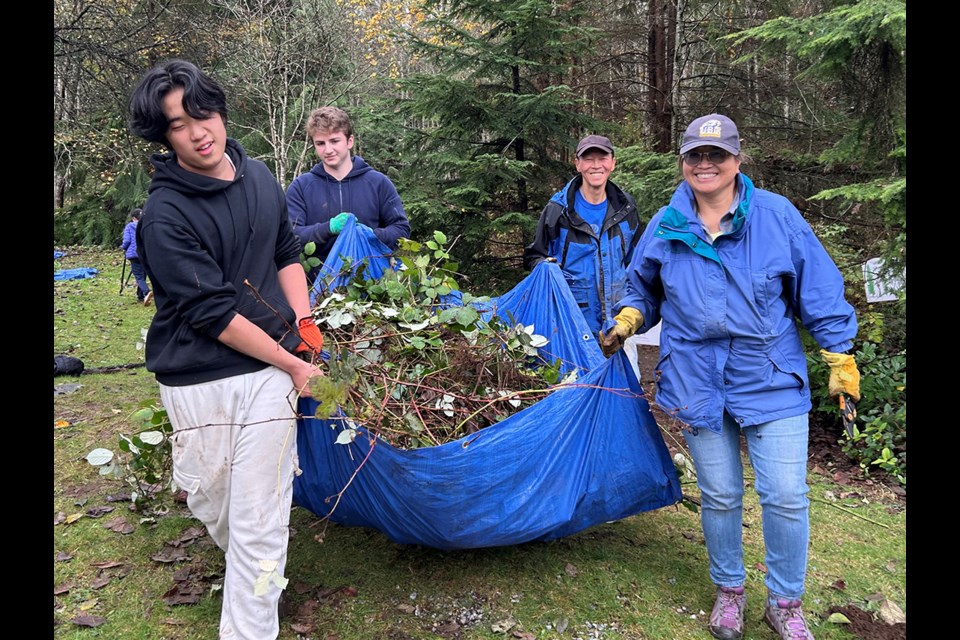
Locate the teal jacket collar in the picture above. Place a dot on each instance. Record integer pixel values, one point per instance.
(680, 222)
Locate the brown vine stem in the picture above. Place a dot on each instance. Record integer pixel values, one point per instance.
(339, 495)
(852, 513)
(513, 394)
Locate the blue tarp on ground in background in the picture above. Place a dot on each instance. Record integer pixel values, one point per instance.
(58, 254)
(585, 455)
(75, 274)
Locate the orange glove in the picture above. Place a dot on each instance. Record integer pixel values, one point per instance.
(312, 339)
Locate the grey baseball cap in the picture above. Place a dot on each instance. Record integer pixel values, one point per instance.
(714, 130)
(594, 142)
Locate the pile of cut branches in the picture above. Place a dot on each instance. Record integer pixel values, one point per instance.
(413, 361)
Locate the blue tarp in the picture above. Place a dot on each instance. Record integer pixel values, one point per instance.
(543, 300)
(589, 453)
(356, 241)
(75, 274)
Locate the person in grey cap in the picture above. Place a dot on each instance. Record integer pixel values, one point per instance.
(729, 269)
(589, 228)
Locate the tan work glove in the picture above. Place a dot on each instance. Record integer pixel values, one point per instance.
(844, 376)
(628, 321)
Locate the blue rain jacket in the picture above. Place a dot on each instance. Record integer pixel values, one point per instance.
(729, 339)
(594, 265)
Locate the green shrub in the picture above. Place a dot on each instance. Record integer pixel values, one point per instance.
(880, 434)
(144, 461)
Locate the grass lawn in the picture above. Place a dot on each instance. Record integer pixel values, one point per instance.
(119, 573)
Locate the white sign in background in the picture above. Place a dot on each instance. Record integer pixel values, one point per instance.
(881, 286)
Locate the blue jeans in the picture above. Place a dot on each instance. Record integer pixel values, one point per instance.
(778, 454)
(136, 267)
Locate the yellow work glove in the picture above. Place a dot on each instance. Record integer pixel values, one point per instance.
(628, 321)
(844, 376)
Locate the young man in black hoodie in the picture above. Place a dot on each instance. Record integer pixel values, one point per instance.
(232, 322)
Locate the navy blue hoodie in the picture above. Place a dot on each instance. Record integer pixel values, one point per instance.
(315, 197)
(202, 239)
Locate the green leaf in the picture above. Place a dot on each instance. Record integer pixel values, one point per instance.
(99, 457)
(142, 415)
(440, 237)
(838, 618)
(151, 437)
(346, 436)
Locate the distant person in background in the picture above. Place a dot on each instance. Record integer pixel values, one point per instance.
(732, 271)
(339, 186)
(129, 245)
(589, 228)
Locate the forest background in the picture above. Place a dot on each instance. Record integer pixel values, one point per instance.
(473, 108)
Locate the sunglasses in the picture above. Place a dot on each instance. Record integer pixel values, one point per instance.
(716, 156)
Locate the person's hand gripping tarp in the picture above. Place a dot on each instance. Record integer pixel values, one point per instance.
(338, 221)
(311, 340)
(844, 384)
(627, 323)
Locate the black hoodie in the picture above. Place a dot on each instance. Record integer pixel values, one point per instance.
(200, 239)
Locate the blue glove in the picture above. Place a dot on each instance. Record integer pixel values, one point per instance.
(338, 221)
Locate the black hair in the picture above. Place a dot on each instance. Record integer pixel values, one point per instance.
(136, 213)
(202, 96)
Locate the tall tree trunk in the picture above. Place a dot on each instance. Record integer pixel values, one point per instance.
(522, 198)
(661, 40)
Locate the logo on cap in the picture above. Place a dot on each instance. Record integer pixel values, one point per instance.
(710, 129)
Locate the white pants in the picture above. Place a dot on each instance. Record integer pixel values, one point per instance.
(234, 451)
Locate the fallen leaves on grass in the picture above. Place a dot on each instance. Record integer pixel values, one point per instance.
(100, 582)
(170, 554)
(86, 620)
(118, 524)
(183, 593)
(189, 535)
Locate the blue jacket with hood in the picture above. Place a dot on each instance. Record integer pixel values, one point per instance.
(129, 244)
(594, 265)
(729, 339)
(313, 198)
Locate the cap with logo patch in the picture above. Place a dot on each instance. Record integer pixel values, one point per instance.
(713, 130)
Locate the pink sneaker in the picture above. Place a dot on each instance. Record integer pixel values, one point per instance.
(786, 618)
(726, 619)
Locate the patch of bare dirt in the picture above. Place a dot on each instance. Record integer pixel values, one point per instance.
(865, 626)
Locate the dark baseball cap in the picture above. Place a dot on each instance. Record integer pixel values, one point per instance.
(713, 130)
(594, 142)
